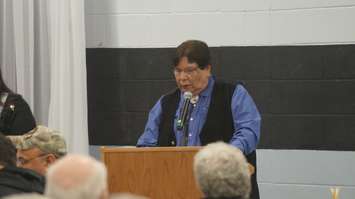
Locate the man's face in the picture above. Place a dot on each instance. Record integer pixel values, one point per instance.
(35, 159)
(189, 77)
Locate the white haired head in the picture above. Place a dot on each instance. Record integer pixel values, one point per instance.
(221, 170)
(77, 176)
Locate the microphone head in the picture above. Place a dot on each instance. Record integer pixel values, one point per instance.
(187, 95)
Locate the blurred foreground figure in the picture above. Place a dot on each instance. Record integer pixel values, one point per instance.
(221, 171)
(77, 177)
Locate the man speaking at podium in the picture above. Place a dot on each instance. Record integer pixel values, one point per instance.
(203, 110)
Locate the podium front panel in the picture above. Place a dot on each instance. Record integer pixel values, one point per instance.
(156, 172)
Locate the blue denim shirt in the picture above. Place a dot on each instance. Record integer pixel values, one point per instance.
(246, 119)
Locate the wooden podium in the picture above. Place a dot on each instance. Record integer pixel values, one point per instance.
(156, 172)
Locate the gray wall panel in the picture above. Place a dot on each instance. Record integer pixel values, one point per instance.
(306, 167)
(293, 191)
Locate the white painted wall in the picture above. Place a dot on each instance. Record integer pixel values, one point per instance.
(166, 23)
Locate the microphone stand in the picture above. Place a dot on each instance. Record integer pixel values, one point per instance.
(185, 131)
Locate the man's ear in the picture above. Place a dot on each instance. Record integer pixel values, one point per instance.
(50, 159)
(209, 67)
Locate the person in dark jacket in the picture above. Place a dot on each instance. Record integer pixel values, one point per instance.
(16, 117)
(15, 180)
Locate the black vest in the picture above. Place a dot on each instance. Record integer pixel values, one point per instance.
(218, 126)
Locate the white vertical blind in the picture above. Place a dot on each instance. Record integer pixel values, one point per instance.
(43, 58)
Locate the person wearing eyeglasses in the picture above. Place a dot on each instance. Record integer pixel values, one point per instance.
(39, 148)
(14, 180)
(220, 111)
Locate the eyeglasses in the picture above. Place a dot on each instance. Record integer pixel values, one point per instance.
(23, 161)
(189, 71)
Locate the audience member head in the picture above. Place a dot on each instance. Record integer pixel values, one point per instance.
(126, 196)
(221, 171)
(3, 87)
(7, 152)
(26, 196)
(39, 148)
(77, 176)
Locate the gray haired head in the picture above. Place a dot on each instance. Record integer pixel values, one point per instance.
(221, 170)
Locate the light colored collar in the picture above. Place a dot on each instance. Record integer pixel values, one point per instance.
(3, 97)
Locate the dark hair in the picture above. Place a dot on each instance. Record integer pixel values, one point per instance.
(7, 152)
(195, 51)
(3, 87)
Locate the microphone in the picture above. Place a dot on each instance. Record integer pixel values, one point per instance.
(184, 112)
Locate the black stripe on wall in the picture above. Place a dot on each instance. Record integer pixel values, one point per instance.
(306, 94)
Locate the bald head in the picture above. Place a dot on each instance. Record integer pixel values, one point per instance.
(73, 171)
(77, 176)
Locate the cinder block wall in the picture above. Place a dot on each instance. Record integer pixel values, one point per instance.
(297, 59)
(166, 23)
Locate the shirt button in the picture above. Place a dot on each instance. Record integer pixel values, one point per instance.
(191, 119)
(172, 143)
(190, 134)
